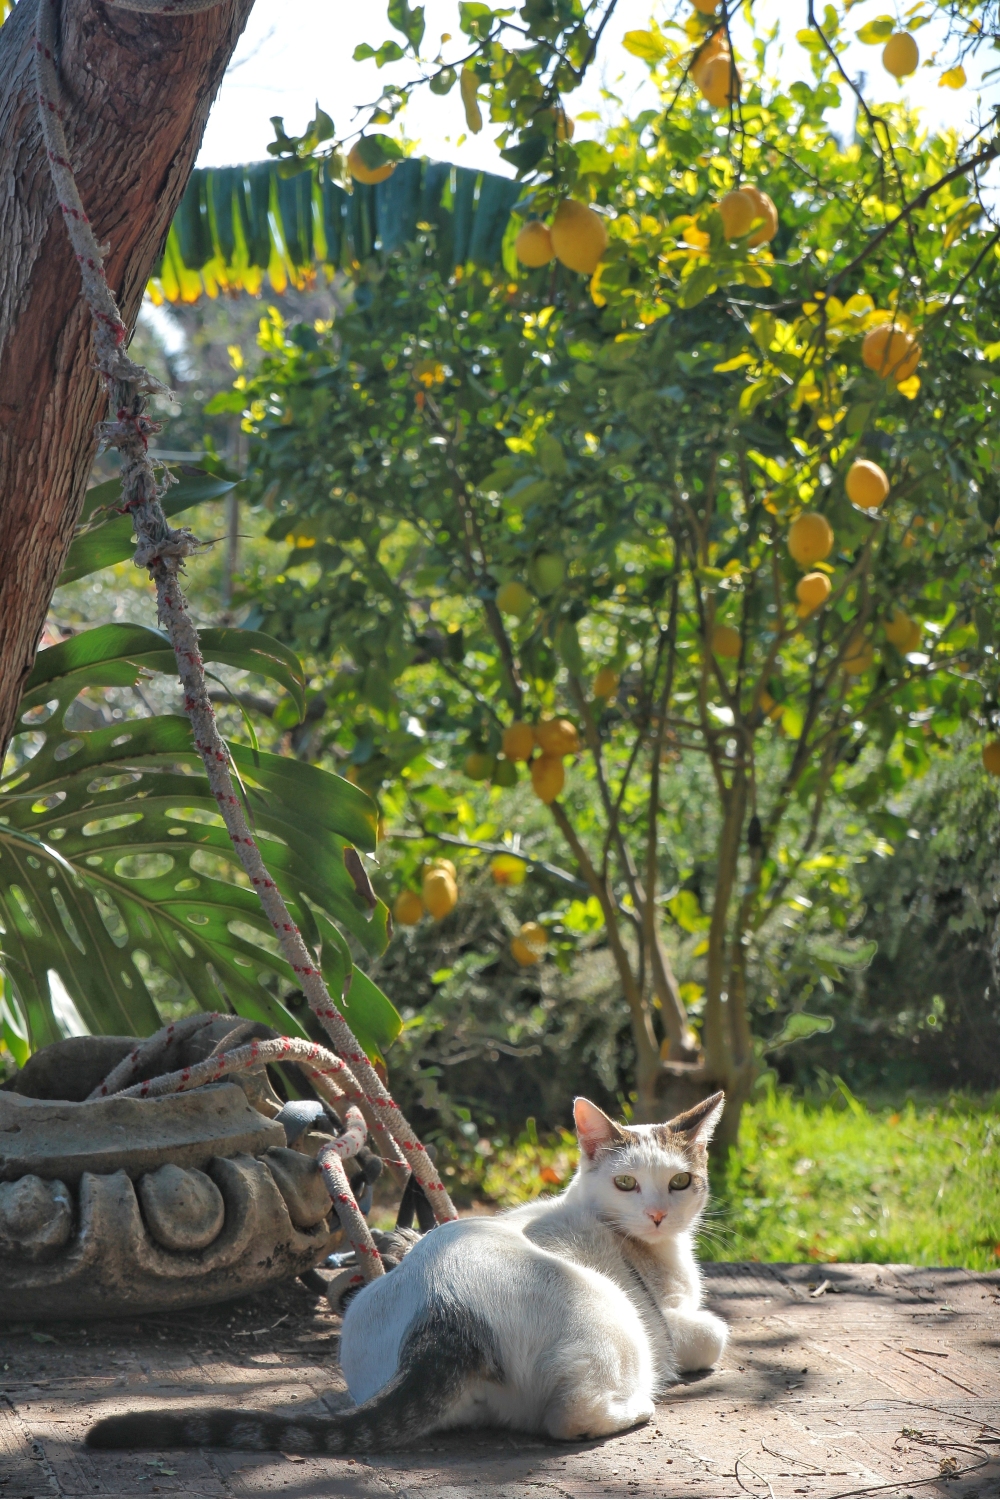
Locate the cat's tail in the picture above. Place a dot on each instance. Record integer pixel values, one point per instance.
(438, 1359)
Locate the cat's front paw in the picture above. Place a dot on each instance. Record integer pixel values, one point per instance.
(699, 1339)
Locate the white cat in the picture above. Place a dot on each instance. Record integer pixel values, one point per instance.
(568, 1316)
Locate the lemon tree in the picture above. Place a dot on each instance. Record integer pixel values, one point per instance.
(624, 497)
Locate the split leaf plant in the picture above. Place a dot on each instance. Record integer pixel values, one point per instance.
(116, 872)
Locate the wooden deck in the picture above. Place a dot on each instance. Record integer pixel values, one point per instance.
(885, 1383)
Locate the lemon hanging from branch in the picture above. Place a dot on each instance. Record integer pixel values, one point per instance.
(533, 246)
(900, 55)
(367, 161)
(408, 908)
(810, 538)
(579, 237)
(867, 484)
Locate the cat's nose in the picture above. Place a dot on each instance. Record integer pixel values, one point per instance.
(657, 1215)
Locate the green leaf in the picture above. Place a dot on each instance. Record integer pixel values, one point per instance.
(687, 913)
(105, 537)
(698, 285)
(645, 44)
(592, 157)
(114, 655)
(117, 873)
(798, 1027)
(371, 1015)
(877, 30)
(409, 22)
(844, 958)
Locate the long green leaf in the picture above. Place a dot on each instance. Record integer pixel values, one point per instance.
(114, 656)
(235, 225)
(116, 872)
(104, 537)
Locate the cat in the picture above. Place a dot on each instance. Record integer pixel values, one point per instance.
(567, 1317)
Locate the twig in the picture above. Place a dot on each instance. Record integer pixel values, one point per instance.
(761, 1477)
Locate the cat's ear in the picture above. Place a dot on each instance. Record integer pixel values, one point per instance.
(698, 1124)
(593, 1128)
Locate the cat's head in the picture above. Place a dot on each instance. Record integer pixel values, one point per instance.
(648, 1181)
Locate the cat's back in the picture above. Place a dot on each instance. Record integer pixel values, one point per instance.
(484, 1271)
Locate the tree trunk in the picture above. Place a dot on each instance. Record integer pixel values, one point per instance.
(137, 90)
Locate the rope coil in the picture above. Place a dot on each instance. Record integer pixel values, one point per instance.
(161, 549)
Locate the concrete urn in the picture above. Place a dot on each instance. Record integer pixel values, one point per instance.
(138, 1205)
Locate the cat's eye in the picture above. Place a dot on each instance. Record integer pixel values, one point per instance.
(626, 1184)
(679, 1181)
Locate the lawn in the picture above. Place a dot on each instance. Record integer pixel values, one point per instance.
(837, 1180)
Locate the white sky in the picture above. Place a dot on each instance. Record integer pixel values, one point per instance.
(295, 52)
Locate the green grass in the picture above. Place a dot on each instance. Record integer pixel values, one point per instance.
(833, 1181)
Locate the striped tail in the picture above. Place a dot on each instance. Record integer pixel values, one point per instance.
(437, 1360)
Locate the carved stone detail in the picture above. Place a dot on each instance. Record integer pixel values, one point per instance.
(183, 1209)
(36, 1218)
(300, 1183)
(140, 1205)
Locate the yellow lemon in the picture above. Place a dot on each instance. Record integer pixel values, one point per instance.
(519, 741)
(716, 46)
(557, 737)
(530, 944)
(726, 641)
(719, 81)
(903, 632)
(440, 892)
(362, 173)
(891, 351)
(867, 485)
(738, 212)
(763, 209)
(900, 55)
(533, 246)
(514, 599)
(547, 777)
(478, 766)
(443, 864)
(991, 757)
(504, 772)
(810, 538)
(547, 571)
(705, 7)
(813, 590)
(507, 869)
(606, 683)
(408, 908)
(579, 237)
(859, 657)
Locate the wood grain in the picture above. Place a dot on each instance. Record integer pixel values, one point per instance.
(138, 89)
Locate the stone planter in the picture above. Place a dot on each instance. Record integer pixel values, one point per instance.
(138, 1205)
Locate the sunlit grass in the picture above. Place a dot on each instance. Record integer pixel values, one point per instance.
(830, 1181)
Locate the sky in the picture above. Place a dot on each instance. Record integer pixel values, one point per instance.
(297, 52)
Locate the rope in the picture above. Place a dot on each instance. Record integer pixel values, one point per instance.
(322, 1066)
(162, 549)
(153, 1046)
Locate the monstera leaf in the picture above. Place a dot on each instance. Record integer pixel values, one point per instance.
(104, 536)
(116, 871)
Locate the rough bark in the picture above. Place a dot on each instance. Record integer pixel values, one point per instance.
(137, 92)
